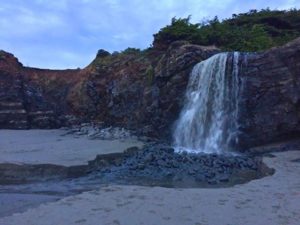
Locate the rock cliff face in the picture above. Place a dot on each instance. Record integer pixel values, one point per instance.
(12, 109)
(141, 91)
(137, 90)
(33, 98)
(144, 91)
(270, 109)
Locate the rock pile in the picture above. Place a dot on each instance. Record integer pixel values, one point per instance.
(160, 165)
(101, 132)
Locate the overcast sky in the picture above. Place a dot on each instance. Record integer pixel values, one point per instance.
(68, 33)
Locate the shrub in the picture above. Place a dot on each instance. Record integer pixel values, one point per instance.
(251, 31)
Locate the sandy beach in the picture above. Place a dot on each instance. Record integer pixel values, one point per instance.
(54, 147)
(48, 146)
(272, 200)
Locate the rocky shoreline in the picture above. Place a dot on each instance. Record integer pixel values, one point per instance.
(159, 165)
(270, 200)
(153, 165)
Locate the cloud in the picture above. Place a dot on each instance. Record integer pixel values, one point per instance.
(23, 21)
(289, 4)
(68, 33)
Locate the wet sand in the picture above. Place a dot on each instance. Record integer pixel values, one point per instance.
(273, 200)
(11, 203)
(48, 146)
(54, 147)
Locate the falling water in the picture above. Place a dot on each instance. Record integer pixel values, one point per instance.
(208, 121)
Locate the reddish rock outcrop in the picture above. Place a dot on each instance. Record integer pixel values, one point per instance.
(34, 98)
(137, 90)
(141, 91)
(12, 109)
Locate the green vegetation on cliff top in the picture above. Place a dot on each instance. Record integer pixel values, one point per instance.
(251, 31)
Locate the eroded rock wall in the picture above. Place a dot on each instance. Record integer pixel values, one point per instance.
(140, 91)
(270, 109)
(33, 98)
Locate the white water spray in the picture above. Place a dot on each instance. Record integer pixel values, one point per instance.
(208, 122)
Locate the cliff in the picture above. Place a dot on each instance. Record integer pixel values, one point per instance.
(137, 90)
(271, 95)
(34, 98)
(144, 91)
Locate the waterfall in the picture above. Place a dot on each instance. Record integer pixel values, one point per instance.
(208, 121)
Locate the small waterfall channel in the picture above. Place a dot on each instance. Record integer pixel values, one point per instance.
(208, 122)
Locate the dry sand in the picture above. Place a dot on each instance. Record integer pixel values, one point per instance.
(52, 146)
(273, 200)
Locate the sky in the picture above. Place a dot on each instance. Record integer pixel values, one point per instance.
(60, 34)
